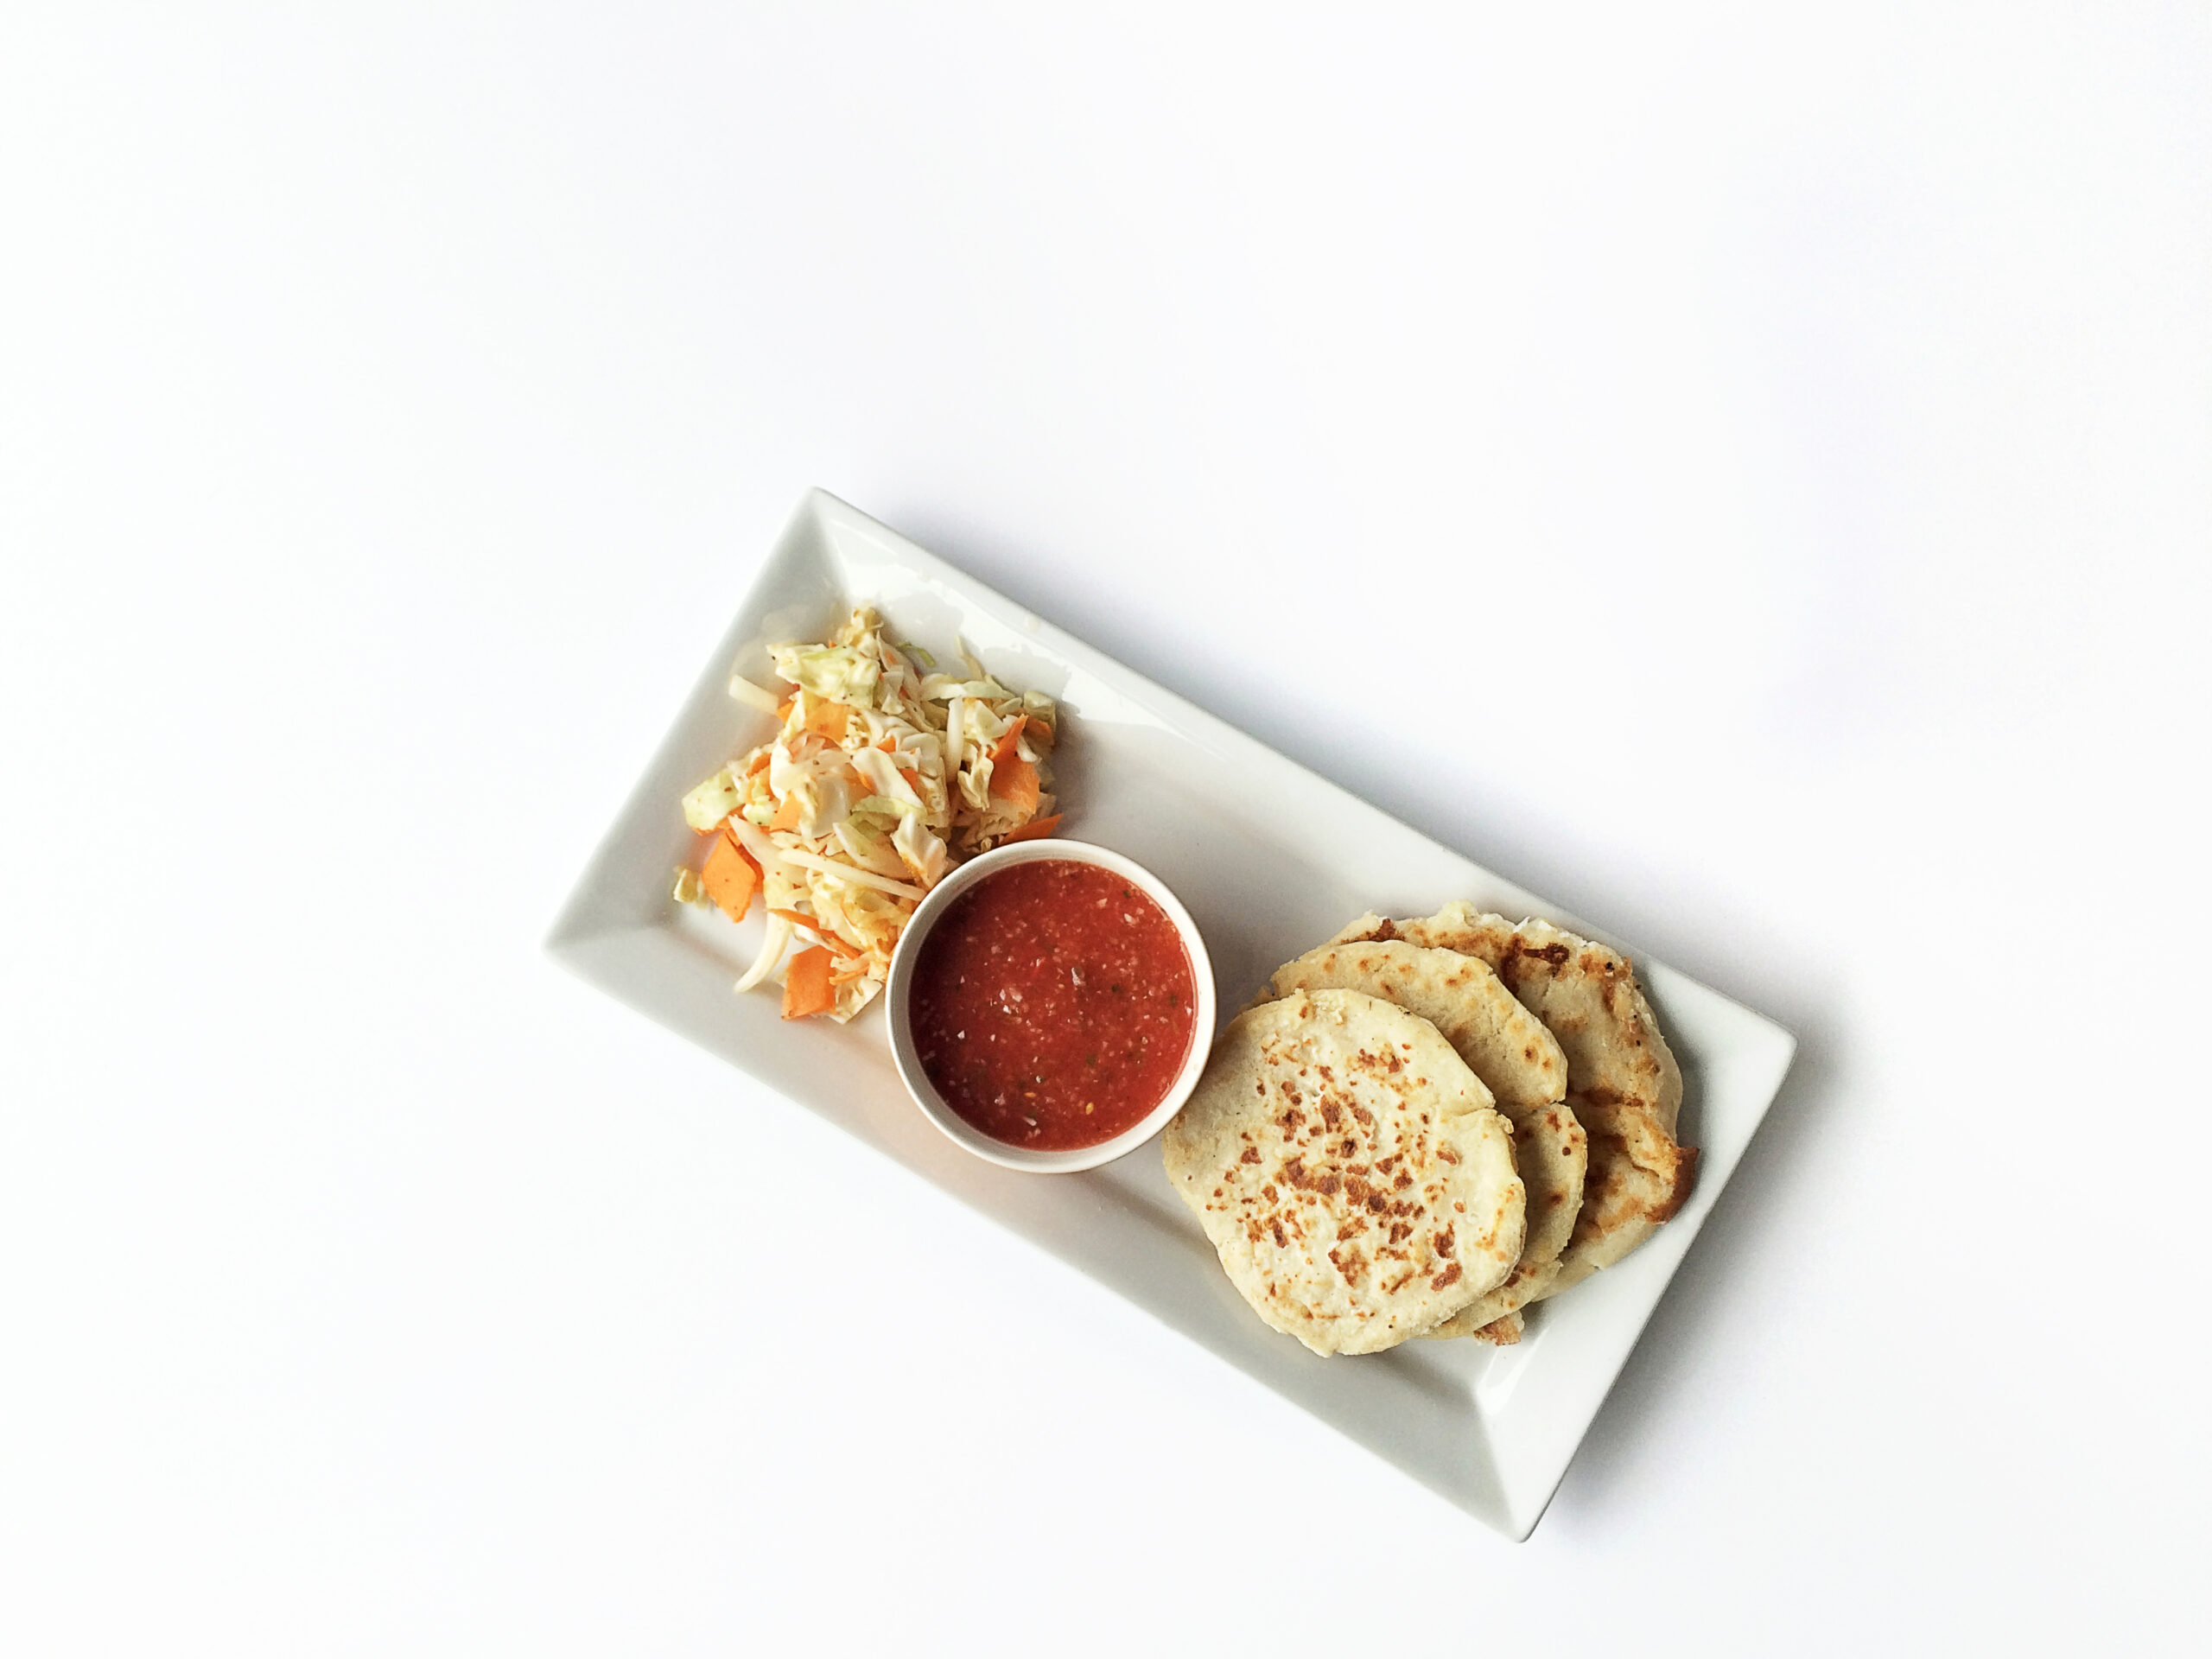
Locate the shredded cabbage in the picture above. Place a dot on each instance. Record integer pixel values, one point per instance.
(840, 673)
(771, 952)
(712, 801)
(881, 773)
(877, 782)
(757, 696)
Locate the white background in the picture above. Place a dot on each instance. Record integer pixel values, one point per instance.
(1747, 479)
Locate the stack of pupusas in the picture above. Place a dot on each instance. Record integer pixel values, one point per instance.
(1426, 1126)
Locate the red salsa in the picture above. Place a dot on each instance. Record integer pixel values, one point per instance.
(1053, 1005)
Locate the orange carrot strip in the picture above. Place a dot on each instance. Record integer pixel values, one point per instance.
(783, 708)
(1002, 751)
(1016, 779)
(828, 720)
(807, 985)
(786, 815)
(751, 862)
(730, 878)
(1035, 830)
(794, 917)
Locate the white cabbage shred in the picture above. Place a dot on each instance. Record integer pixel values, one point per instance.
(883, 775)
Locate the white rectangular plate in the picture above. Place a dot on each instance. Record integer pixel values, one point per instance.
(1143, 771)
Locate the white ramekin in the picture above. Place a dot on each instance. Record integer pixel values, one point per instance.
(898, 994)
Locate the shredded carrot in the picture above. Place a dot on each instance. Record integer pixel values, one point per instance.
(751, 862)
(807, 985)
(783, 708)
(1003, 751)
(1016, 779)
(914, 780)
(730, 878)
(828, 719)
(848, 968)
(793, 917)
(759, 763)
(786, 815)
(1032, 830)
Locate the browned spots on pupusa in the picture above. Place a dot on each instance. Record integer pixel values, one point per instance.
(1616, 1071)
(1348, 1196)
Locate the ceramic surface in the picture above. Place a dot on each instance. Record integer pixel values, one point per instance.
(1270, 860)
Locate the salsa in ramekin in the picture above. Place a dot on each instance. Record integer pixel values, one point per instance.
(1050, 1006)
(1053, 1004)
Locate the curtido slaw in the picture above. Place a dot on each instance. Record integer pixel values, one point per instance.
(884, 775)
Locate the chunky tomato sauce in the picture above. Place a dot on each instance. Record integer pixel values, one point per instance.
(1053, 1005)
